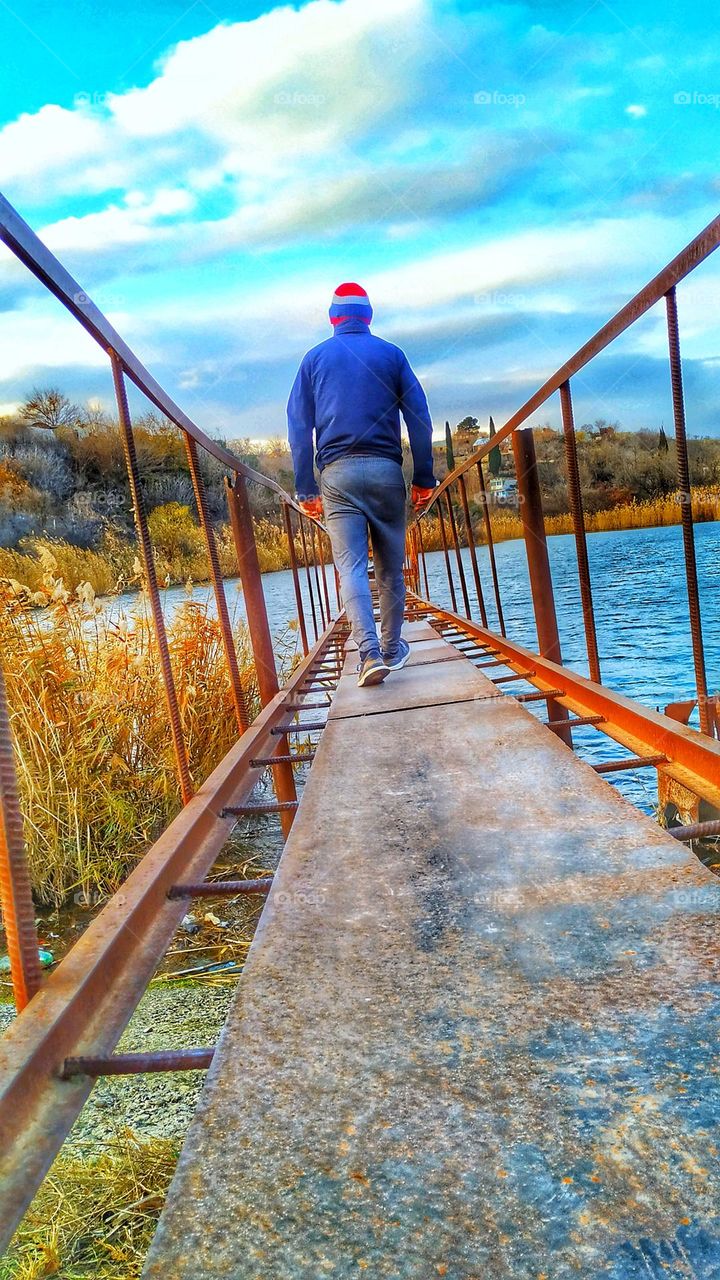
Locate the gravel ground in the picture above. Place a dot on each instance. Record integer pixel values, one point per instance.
(177, 1014)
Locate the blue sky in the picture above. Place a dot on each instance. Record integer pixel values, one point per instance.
(500, 178)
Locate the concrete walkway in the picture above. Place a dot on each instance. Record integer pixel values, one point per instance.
(476, 1036)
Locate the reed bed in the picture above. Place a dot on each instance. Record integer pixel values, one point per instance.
(87, 707)
(653, 513)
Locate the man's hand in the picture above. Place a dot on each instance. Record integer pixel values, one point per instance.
(312, 507)
(420, 497)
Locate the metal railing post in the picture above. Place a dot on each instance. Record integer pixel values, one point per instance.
(295, 576)
(259, 627)
(323, 573)
(306, 562)
(686, 515)
(541, 586)
(458, 554)
(18, 910)
(471, 545)
(321, 604)
(578, 519)
(424, 561)
(148, 561)
(491, 547)
(451, 584)
(238, 693)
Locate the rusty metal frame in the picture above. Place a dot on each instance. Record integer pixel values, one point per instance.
(692, 758)
(85, 1004)
(686, 261)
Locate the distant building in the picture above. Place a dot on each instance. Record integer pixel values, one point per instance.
(504, 488)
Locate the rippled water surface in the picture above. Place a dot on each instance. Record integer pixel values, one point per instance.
(640, 608)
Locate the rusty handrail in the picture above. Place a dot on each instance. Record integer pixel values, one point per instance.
(694, 253)
(29, 248)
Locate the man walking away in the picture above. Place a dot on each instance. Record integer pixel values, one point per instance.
(348, 394)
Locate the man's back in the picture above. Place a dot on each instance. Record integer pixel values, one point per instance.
(350, 391)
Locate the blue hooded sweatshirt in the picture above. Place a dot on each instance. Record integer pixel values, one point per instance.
(350, 391)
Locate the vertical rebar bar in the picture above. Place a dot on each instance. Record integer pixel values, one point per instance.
(491, 547)
(295, 576)
(306, 563)
(336, 575)
(541, 585)
(18, 910)
(686, 515)
(424, 561)
(321, 604)
(458, 553)
(471, 547)
(148, 561)
(242, 715)
(259, 628)
(323, 573)
(578, 519)
(447, 558)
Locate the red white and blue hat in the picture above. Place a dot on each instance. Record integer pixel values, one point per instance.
(350, 302)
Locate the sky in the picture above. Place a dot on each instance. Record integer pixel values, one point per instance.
(500, 178)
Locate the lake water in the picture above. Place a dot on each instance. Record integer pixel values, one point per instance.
(640, 609)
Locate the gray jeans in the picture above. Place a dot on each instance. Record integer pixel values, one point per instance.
(365, 493)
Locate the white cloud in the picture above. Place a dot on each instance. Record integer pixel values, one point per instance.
(636, 110)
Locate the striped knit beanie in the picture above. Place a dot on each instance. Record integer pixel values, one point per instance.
(350, 302)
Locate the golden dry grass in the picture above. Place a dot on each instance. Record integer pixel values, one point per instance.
(506, 523)
(95, 761)
(94, 1215)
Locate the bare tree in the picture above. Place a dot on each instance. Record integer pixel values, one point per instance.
(47, 407)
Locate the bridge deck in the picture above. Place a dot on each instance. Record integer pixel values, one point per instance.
(476, 1033)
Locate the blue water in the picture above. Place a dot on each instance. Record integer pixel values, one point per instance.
(640, 599)
(641, 616)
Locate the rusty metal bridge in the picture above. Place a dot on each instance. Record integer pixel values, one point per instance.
(476, 1034)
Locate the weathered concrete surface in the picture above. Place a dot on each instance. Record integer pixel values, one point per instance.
(476, 1036)
(414, 686)
(412, 631)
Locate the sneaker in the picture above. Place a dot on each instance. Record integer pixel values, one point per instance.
(398, 662)
(372, 671)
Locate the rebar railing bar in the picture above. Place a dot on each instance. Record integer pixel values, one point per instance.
(258, 625)
(336, 579)
(633, 762)
(133, 1064)
(299, 603)
(218, 888)
(458, 554)
(517, 675)
(242, 714)
(471, 548)
(695, 830)
(424, 561)
(309, 727)
(248, 810)
(541, 584)
(538, 695)
(575, 722)
(491, 548)
(148, 562)
(324, 619)
(451, 584)
(297, 757)
(323, 574)
(30, 250)
(306, 564)
(686, 515)
(578, 519)
(700, 248)
(16, 902)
